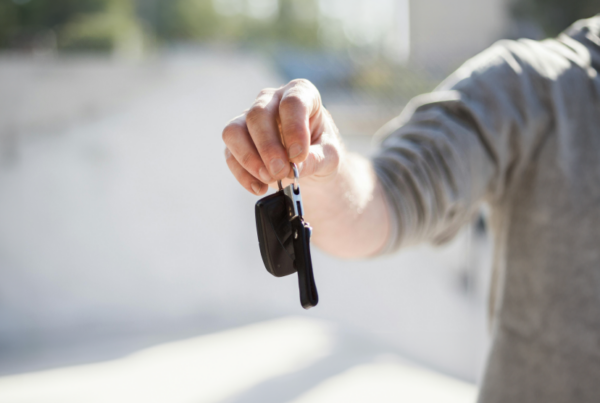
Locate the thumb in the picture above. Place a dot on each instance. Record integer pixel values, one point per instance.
(323, 160)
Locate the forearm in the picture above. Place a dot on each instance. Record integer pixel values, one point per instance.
(349, 214)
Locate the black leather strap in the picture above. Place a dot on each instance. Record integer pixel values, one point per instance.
(303, 264)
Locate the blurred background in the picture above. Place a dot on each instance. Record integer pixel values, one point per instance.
(129, 262)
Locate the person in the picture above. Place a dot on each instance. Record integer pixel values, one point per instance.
(516, 127)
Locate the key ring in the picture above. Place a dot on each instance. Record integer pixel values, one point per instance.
(296, 178)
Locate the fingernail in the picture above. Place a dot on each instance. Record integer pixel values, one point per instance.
(276, 166)
(264, 175)
(294, 150)
(255, 187)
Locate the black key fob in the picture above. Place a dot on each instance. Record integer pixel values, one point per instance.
(275, 234)
(284, 239)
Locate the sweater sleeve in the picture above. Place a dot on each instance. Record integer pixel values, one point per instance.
(469, 140)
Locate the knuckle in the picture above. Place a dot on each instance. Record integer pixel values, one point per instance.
(266, 92)
(302, 82)
(303, 85)
(291, 100)
(306, 92)
(230, 132)
(255, 114)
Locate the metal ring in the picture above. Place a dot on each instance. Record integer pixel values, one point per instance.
(296, 176)
(295, 168)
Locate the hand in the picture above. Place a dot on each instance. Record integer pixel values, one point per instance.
(282, 125)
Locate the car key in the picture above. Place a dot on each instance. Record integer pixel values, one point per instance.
(284, 238)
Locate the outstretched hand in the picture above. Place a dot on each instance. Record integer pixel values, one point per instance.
(283, 125)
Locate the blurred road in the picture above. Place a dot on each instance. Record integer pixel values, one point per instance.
(122, 228)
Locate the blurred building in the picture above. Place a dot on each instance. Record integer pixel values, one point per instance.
(445, 33)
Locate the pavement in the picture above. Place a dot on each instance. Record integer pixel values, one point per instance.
(292, 359)
(131, 269)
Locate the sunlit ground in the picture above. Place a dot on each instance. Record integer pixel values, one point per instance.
(293, 359)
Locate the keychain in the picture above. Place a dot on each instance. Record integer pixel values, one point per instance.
(284, 238)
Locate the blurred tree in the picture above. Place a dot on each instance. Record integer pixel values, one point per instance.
(75, 24)
(115, 27)
(294, 22)
(21, 20)
(298, 23)
(107, 24)
(186, 20)
(553, 16)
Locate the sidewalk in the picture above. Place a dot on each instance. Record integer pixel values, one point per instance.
(293, 359)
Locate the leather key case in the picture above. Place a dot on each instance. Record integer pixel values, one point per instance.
(306, 279)
(275, 234)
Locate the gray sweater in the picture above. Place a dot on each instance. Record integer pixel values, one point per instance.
(517, 127)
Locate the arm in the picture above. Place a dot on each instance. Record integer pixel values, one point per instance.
(467, 142)
(474, 138)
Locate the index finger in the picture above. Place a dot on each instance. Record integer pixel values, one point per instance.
(261, 121)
